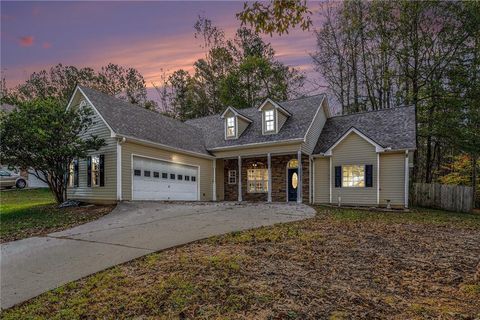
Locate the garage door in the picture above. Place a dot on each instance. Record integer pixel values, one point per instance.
(162, 180)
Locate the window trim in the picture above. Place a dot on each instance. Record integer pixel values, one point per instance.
(272, 121)
(92, 172)
(234, 126)
(362, 170)
(264, 181)
(229, 175)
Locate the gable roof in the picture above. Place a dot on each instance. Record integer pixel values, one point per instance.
(276, 106)
(392, 128)
(129, 120)
(303, 111)
(237, 113)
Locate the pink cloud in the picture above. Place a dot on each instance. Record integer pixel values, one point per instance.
(26, 41)
(46, 45)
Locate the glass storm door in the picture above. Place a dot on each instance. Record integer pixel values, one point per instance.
(292, 184)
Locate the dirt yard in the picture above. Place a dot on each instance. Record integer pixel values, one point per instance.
(341, 264)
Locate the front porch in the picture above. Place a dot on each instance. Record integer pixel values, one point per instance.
(267, 178)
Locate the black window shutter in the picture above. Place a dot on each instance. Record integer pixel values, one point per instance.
(102, 170)
(75, 173)
(338, 177)
(89, 171)
(369, 175)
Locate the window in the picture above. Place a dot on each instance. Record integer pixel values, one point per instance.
(172, 176)
(71, 174)
(269, 121)
(5, 173)
(164, 175)
(194, 178)
(232, 176)
(187, 178)
(156, 174)
(146, 173)
(257, 180)
(231, 127)
(137, 172)
(292, 164)
(179, 177)
(95, 171)
(353, 176)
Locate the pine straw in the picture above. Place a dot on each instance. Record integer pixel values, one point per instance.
(325, 267)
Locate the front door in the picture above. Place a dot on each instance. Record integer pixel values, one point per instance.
(292, 184)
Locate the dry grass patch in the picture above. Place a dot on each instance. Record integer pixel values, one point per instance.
(338, 265)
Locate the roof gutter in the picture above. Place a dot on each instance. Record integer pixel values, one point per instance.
(386, 150)
(163, 146)
(257, 144)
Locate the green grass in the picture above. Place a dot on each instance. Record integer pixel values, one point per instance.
(25, 213)
(416, 215)
(342, 264)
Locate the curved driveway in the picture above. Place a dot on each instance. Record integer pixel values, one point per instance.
(32, 266)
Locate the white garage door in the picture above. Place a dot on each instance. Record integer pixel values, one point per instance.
(162, 180)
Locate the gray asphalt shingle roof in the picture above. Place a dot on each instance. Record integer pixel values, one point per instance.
(130, 120)
(390, 128)
(303, 110)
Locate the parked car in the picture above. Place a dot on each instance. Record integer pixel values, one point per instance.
(9, 180)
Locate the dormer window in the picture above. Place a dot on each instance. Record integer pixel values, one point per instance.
(231, 127)
(269, 120)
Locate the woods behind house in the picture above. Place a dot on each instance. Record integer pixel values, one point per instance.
(381, 54)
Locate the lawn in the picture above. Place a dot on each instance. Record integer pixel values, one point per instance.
(341, 264)
(32, 212)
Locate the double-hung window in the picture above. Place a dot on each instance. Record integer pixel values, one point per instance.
(269, 121)
(96, 171)
(257, 180)
(231, 127)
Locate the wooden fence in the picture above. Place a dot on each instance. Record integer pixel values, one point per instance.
(441, 196)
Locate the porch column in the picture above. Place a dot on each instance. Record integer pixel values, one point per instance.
(300, 177)
(239, 178)
(214, 191)
(269, 163)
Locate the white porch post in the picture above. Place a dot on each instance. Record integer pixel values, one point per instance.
(119, 171)
(239, 178)
(300, 177)
(407, 180)
(378, 179)
(269, 163)
(214, 191)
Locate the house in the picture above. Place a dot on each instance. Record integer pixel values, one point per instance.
(281, 151)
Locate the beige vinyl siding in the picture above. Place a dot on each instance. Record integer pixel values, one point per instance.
(354, 150)
(281, 120)
(392, 178)
(242, 125)
(259, 150)
(107, 193)
(130, 148)
(313, 134)
(321, 180)
(219, 173)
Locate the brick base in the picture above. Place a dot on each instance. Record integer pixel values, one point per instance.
(279, 178)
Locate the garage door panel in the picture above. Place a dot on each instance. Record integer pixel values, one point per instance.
(152, 188)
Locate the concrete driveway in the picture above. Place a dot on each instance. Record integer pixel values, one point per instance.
(32, 266)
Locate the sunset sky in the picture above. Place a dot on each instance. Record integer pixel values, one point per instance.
(149, 36)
